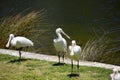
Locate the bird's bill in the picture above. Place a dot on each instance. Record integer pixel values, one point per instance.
(8, 43)
(65, 34)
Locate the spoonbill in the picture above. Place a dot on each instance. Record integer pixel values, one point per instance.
(19, 43)
(74, 52)
(115, 75)
(60, 43)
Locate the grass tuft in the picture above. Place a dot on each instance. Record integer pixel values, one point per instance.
(23, 24)
(102, 48)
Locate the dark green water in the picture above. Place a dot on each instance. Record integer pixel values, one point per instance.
(77, 18)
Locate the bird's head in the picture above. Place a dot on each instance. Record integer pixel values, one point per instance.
(115, 70)
(59, 30)
(11, 36)
(73, 42)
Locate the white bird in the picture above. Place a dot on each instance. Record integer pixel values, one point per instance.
(115, 75)
(60, 43)
(18, 42)
(74, 53)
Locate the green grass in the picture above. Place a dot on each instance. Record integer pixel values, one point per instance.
(31, 69)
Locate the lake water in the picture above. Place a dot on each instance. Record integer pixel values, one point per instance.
(78, 18)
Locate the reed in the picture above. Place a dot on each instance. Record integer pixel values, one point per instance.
(102, 48)
(22, 24)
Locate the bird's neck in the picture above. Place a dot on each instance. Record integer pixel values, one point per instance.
(72, 51)
(115, 73)
(59, 35)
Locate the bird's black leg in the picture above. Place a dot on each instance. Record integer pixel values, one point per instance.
(78, 66)
(20, 54)
(59, 56)
(63, 58)
(71, 66)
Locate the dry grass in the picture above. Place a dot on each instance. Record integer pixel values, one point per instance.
(22, 24)
(103, 48)
(94, 48)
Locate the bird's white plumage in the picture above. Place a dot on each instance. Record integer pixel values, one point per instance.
(19, 41)
(60, 43)
(74, 51)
